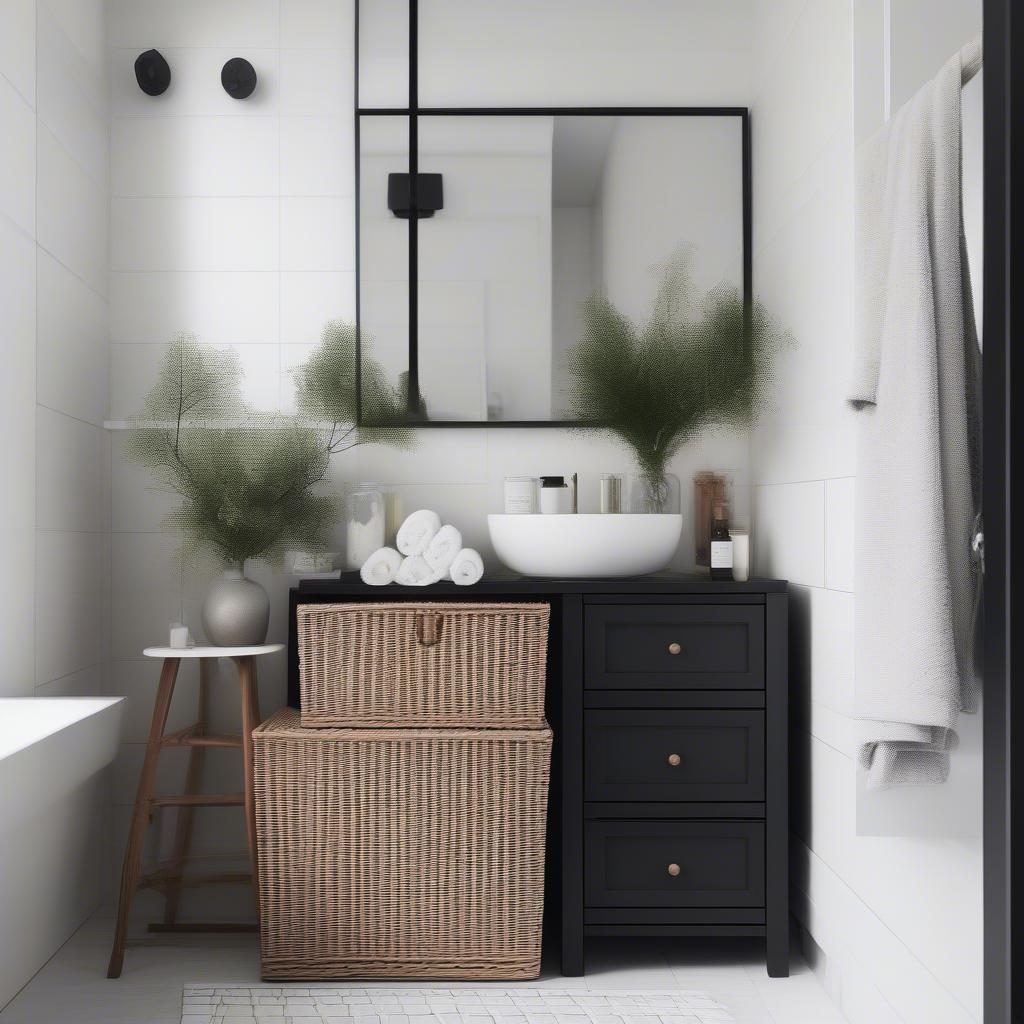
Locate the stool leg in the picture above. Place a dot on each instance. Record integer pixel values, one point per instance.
(250, 719)
(140, 814)
(255, 693)
(186, 815)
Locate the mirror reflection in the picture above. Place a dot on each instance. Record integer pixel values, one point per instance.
(532, 215)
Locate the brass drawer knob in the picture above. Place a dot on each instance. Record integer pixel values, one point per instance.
(674, 869)
(674, 648)
(674, 760)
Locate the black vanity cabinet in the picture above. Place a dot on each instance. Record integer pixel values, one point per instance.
(668, 696)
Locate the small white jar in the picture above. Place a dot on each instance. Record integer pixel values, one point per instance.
(520, 495)
(555, 496)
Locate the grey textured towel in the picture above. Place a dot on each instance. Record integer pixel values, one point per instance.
(915, 384)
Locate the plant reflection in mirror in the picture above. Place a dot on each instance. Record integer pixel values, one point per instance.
(692, 365)
(248, 479)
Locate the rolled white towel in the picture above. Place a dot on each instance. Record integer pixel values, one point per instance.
(443, 548)
(467, 568)
(417, 532)
(414, 572)
(381, 567)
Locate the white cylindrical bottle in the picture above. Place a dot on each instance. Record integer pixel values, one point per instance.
(740, 555)
(555, 496)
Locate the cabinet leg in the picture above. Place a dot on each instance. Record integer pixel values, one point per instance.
(572, 952)
(778, 947)
(140, 815)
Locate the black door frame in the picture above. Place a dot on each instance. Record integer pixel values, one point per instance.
(1003, 306)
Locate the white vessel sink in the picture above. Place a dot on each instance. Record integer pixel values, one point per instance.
(585, 545)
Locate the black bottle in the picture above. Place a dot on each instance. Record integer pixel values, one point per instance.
(721, 545)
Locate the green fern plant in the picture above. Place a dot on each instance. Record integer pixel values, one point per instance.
(247, 480)
(657, 385)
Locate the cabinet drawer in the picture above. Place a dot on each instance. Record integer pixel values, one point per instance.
(674, 864)
(674, 755)
(665, 646)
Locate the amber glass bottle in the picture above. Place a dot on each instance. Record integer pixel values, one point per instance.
(721, 545)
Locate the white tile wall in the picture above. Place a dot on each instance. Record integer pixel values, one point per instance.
(72, 480)
(219, 307)
(17, 457)
(88, 681)
(314, 152)
(831, 637)
(72, 452)
(71, 95)
(314, 25)
(839, 548)
(317, 234)
(538, 53)
(243, 24)
(895, 951)
(18, 46)
(72, 212)
(790, 524)
(194, 233)
(69, 596)
(146, 591)
(195, 156)
(72, 341)
(316, 83)
(84, 24)
(18, 168)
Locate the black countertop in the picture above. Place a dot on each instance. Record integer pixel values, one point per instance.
(512, 583)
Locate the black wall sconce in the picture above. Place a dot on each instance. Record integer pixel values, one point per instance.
(429, 196)
(152, 72)
(238, 77)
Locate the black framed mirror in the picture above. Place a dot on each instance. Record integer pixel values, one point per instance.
(481, 232)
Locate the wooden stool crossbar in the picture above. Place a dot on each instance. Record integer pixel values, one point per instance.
(171, 878)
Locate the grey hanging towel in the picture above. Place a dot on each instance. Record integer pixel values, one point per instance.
(916, 380)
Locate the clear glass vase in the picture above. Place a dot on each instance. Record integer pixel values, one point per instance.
(654, 494)
(366, 524)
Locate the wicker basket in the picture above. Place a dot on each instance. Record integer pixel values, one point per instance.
(400, 852)
(422, 664)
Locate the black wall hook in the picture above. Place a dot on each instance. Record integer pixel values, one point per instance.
(152, 72)
(238, 77)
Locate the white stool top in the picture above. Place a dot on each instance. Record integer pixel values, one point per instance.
(212, 652)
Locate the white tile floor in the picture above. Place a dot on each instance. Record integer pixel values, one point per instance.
(73, 988)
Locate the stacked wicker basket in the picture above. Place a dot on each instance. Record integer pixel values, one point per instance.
(401, 817)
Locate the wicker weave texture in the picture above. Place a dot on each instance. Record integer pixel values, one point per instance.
(400, 852)
(427, 663)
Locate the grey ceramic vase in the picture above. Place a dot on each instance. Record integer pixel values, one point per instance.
(236, 612)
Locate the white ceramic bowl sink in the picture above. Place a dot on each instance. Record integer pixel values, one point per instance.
(585, 545)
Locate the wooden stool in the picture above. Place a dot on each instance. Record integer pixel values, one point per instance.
(197, 739)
